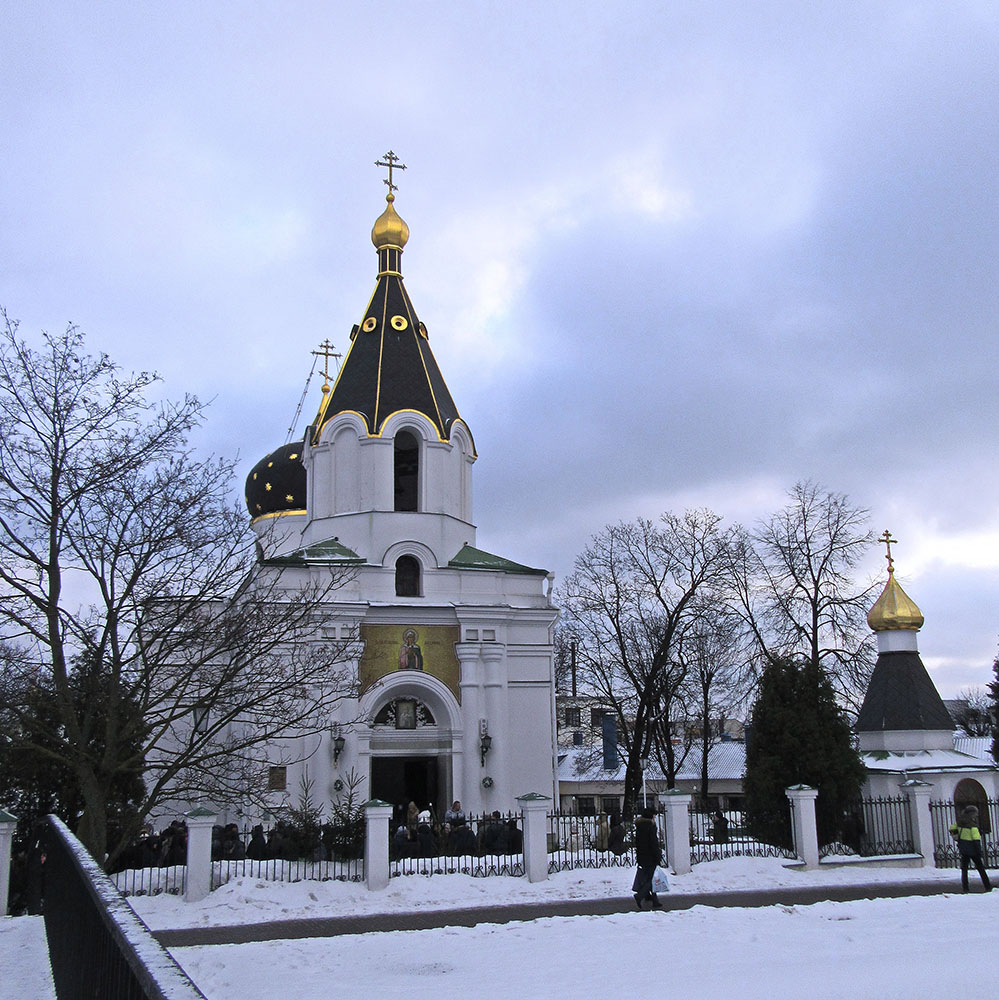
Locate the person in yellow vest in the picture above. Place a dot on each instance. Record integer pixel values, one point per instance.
(969, 844)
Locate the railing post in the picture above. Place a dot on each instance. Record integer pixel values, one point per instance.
(922, 822)
(199, 853)
(806, 834)
(376, 843)
(8, 824)
(678, 830)
(534, 807)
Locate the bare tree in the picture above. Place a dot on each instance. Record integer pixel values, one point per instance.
(636, 592)
(794, 578)
(121, 549)
(974, 712)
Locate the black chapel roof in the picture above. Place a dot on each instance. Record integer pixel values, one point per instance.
(901, 696)
(389, 366)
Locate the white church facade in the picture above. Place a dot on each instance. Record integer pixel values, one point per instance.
(452, 682)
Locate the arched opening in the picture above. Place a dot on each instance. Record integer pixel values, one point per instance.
(407, 576)
(407, 471)
(969, 792)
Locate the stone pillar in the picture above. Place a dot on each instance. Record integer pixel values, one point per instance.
(535, 806)
(806, 834)
(919, 815)
(199, 853)
(377, 815)
(678, 830)
(8, 824)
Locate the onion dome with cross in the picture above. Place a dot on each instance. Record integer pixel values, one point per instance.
(276, 484)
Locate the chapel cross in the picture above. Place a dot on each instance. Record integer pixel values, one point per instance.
(391, 161)
(888, 540)
(326, 351)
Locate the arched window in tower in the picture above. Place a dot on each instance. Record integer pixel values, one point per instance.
(407, 577)
(407, 471)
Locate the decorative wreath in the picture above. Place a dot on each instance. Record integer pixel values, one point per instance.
(338, 785)
(487, 782)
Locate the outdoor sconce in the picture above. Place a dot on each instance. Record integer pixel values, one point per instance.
(338, 745)
(485, 745)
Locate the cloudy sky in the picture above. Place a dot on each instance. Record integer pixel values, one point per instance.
(669, 254)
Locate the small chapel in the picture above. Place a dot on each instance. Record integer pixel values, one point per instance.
(454, 682)
(904, 731)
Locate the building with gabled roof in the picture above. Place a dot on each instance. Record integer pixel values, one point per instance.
(454, 677)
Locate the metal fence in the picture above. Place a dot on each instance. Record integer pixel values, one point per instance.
(480, 846)
(874, 827)
(944, 814)
(576, 841)
(725, 834)
(97, 946)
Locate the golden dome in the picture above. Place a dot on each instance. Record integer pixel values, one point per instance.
(389, 230)
(894, 610)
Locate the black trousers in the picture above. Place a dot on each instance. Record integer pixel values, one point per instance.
(976, 860)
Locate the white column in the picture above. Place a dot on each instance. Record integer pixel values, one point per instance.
(467, 786)
(199, 853)
(922, 822)
(678, 830)
(8, 824)
(535, 807)
(376, 843)
(806, 834)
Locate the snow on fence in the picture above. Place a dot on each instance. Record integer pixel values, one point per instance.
(577, 841)
(713, 838)
(944, 814)
(98, 947)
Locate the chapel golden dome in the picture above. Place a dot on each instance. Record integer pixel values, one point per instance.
(389, 229)
(894, 609)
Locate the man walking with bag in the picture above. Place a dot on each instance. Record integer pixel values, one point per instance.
(649, 854)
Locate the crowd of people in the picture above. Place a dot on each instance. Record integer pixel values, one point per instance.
(418, 834)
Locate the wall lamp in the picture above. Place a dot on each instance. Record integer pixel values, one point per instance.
(338, 744)
(485, 745)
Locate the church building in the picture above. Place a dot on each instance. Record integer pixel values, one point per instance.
(904, 730)
(453, 682)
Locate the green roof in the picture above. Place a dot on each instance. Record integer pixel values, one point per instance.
(473, 558)
(325, 552)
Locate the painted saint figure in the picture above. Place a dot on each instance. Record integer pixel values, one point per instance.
(410, 655)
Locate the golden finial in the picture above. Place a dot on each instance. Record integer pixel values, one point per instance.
(327, 351)
(894, 609)
(886, 537)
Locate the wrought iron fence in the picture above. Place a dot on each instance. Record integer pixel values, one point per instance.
(873, 827)
(97, 946)
(481, 846)
(725, 834)
(150, 881)
(576, 841)
(944, 815)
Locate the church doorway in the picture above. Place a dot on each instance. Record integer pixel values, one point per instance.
(969, 792)
(401, 780)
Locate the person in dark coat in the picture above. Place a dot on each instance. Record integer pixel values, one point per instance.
(617, 839)
(969, 844)
(425, 837)
(257, 849)
(649, 854)
(461, 840)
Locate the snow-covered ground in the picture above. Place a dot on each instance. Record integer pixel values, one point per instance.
(248, 900)
(885, 949)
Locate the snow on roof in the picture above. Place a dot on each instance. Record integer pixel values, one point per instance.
(976, 746)
(726, 762)
(915, 761)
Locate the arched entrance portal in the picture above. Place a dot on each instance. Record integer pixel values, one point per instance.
(413, 729)
(969, 792)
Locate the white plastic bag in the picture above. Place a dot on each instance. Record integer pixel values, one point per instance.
(659, 881)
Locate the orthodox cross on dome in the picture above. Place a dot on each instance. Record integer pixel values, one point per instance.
(327, 351)
(886, 537)
(391, 161)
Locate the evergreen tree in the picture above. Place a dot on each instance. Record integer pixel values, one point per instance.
(799, 735)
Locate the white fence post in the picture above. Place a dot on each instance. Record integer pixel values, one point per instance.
(922, 822)
(806, 834)
(8, 824)
(376, 843)
(535, 809)
(678, 830)
(199, 853)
